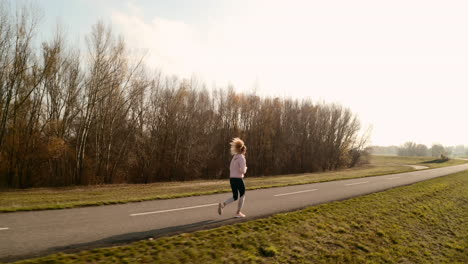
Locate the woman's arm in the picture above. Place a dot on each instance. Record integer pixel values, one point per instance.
(242, 164)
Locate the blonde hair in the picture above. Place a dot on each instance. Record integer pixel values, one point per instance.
(237, 146)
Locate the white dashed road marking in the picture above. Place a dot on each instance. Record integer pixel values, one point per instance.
(393, 178)
(176, 209)
(4, 228)
(282, 194)
(356, 183)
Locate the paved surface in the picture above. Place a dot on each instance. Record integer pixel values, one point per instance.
(30, 234)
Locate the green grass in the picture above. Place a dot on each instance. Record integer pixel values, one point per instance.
(420, 223)
(68, 197)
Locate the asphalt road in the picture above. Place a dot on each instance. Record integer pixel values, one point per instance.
(31, 234)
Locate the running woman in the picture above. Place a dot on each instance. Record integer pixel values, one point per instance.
(237, 169)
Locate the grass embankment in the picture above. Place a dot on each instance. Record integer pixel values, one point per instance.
(420, 223)
(68, 197)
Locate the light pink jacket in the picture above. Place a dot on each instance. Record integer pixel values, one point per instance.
(238, 166)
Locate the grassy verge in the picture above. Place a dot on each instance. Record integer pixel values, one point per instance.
(57, 198)
(420, 223)
(423, 161)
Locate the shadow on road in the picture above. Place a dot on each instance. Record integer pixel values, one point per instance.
(136, 236)
(126, 238)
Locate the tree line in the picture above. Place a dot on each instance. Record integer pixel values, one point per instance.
(69, 117)
(413, 149)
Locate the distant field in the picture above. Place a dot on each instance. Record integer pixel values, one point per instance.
(420, 223)
(56, 198)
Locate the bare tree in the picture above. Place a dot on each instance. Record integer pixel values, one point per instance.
(68, 119)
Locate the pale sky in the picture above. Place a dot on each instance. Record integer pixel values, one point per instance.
(402, 66)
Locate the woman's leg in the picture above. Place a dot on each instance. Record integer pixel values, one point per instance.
(229, 200)
(242, 195)
(235, 191)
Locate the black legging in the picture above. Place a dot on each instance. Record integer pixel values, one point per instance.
(238, 187)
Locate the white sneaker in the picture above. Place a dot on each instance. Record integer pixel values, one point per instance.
(240, 215)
